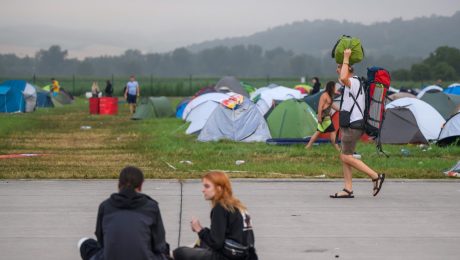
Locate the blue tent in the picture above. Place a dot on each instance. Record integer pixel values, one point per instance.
(453, 90)
(44, 98)
(17, 96)
(181, 106)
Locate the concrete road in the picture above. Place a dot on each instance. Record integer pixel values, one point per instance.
(293, 219)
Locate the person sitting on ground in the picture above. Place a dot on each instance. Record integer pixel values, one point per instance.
(325, 125)
(129, 224)
(95, 89)
(230, 224)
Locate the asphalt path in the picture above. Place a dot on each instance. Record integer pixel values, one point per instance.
(293, 219)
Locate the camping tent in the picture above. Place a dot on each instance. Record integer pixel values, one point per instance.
(401, 95)
(153, 107)
(44, 98)
(453, 89)
(410, 120)
(230, 84)
(400, 127)
(245, 123)
(304, 88)
(17, 96)
(200, 109)
(442, 102)
(450, 133)
(270, 95)
(429, 89)
(292, 119)
(216, 97)
(181, 106)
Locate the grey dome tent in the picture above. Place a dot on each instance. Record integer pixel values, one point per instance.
(245, 124)
(442, 102)
(410, 120)
(230, 84)
(153, 107)
(400, 127)
(450, 133)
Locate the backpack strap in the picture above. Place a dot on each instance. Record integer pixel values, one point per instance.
(354, 99)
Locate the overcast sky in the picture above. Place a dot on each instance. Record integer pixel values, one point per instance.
(97, 27)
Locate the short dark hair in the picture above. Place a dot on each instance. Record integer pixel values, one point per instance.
(131, 177)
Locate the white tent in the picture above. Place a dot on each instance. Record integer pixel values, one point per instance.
(431, 89)
(428, 119)
(216, 97)
(272, 93)
(243, 124)
(451, 131)
(200, 108)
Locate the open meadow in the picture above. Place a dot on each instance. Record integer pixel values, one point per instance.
(159, 145)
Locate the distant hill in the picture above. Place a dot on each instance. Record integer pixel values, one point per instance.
(412, 38)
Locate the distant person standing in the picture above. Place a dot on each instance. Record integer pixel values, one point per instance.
(131, 93)
(95, 89)
(316, 85)
(55, 87)
(108, 89)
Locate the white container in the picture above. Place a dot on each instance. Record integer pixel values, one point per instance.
(239, 162)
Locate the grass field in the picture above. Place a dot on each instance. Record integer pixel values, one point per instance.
(158, 145)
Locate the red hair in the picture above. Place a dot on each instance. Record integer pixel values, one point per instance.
(224, 194)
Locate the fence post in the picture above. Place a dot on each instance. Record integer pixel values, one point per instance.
(190, 91)
(113, 84)
(151, 84)
(73, 85)
(34, 79)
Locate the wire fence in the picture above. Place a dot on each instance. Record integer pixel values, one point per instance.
(172, 87)
(149, 86)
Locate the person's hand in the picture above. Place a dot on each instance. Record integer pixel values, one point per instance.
(195, 224)
(347, 53)
(320, 120)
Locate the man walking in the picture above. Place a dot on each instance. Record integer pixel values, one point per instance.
(351, 114)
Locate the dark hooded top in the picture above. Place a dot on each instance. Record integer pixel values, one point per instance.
(316, 87)
(129, 226)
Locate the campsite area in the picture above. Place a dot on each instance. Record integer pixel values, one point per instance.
(75, 145)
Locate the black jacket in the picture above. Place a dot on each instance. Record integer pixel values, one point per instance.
(316, 88)
(129, 226)
(224, 225)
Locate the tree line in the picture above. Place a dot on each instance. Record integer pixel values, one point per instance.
(443, 63)
(240, 60)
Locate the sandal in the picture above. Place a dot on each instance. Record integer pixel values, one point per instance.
(348, 195)
(378, 183)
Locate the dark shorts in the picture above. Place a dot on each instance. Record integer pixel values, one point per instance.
(131, 99)
(329, 129)
(350, 138)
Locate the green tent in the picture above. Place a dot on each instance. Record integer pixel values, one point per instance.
(292, 119)
(153, 107)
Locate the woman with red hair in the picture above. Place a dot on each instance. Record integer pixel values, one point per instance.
(230, 235)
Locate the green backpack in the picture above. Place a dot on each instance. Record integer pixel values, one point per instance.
(348, 42)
